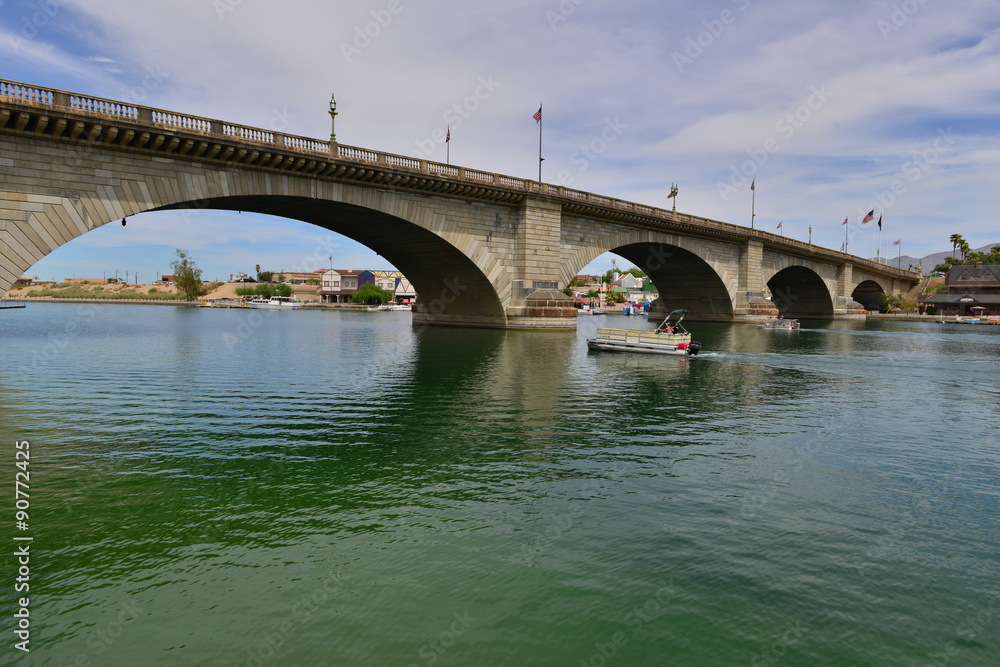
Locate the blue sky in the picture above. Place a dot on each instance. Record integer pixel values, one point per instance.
(827, 106)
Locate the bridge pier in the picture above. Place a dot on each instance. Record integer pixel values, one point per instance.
(534, 300)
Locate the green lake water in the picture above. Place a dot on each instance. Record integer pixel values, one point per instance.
(226, 487)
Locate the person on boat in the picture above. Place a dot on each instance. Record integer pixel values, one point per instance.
(666, 328)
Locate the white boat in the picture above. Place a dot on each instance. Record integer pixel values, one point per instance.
(668, 338)
(275, 303)
(780, 323)
(588, 309)
(392, 306)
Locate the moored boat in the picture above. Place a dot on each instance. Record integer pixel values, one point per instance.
(391, 306)
(275, 303)
(780, 323)
(668, 338)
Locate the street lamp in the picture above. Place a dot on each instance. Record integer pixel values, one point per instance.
(673, 195)
(333, 119)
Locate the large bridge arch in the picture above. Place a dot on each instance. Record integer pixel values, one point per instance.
(446, 279)
(798, 291)
(690, 273)
(456, 278)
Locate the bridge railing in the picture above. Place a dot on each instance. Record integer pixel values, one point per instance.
(36, 95)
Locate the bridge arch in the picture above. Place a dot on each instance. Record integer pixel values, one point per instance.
(688, 273)
(683, 280)
(447, 281)
(798, 291)
(869, 294)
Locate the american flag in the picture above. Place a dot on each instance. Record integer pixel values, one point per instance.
(869, 217)
(780, 223)
(896, 242)
(844, 222)
(538, 114)
(753, 183)
(447, 138)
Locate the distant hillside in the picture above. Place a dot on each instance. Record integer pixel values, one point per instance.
(930, 261)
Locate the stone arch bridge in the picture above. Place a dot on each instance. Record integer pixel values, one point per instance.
(481, 249)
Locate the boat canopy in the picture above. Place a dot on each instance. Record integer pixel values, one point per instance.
(680, 311)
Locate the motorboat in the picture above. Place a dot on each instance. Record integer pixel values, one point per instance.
(588, 309)
(780, 323)
(275, 303)
(668, 338)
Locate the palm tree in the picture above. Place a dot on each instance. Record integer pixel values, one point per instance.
(956, 240)
(965, 248)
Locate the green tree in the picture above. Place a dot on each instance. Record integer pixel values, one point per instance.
(893, 301)
(187, 276)
(264, 276)
(568, 291)
(370, 293)
(635, 271)
(946, 265)
(265, 289)
(615, 297)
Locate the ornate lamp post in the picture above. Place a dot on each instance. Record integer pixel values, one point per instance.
(673, 195)
(333, 119)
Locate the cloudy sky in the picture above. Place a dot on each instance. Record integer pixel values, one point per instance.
(833, 109)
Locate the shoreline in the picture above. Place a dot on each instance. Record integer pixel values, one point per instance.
(166, 302)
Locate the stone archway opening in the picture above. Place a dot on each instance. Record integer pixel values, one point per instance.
(799, 292)
(869, 294)
(450, 287)
(682, 279)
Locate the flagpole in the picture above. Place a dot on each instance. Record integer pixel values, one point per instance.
(899, 255)
(447, 143)
(540, 158)
(753, 201)
(879, 254)
(873, 239)
(847, 228)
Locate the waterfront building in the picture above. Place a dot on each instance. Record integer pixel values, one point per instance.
(972, 291)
